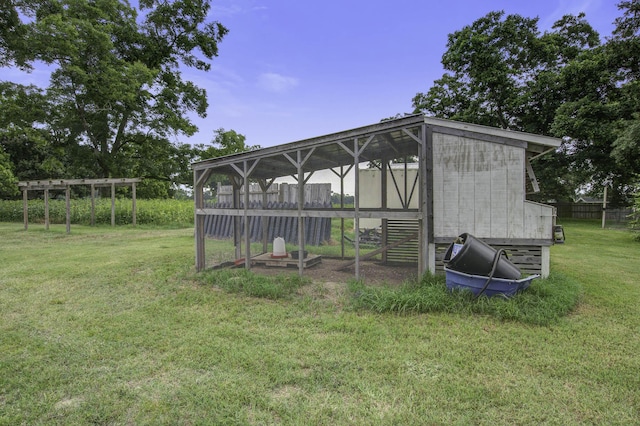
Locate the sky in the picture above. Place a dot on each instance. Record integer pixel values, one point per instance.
(289, 70)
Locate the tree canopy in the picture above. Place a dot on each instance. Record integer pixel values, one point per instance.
(224, 142)
(502, 71)
(116, 97)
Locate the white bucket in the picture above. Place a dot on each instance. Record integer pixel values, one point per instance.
(279, 249)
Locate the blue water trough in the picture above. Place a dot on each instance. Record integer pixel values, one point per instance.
(496, 286)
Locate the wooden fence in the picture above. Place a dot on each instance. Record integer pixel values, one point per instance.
(592, 211)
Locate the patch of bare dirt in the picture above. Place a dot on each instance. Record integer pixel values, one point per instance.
(327, 271)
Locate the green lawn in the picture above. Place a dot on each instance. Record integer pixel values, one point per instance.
(112, 326)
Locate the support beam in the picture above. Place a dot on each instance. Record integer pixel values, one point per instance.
(384, 203)
(532, 177)
(113, 204)
(247, 228)
(356, 205)
(237, 234)
(300, 218)
(93, 204)
(25, 209)
(46, 209)
(134, 205)
(198, 197)
(67, 197)
(425, 261)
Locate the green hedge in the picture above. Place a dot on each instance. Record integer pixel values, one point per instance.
(166, 212)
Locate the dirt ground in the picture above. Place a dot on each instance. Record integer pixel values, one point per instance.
(372, 272)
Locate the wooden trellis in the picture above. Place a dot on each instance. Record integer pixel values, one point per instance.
(66, 184)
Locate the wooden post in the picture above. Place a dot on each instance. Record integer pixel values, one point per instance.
(300, 218)
(198, 196)
(356, 205)
(604, 207)
(133, 203)
(46, 209)
(237, 237)
(265, 221)
(384, 204)
(342, 207)
(25, 208)
(247, 228)
(93, 204)
(113, 204)
(67, 196)
(426, 262)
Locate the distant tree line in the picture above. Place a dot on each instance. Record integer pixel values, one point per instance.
(347, 199)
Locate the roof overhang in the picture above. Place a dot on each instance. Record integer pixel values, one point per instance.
(386, 140)
(533, 143)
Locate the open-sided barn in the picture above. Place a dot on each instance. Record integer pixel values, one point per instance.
(469, 178)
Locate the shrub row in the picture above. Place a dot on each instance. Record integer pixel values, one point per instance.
(166, 212)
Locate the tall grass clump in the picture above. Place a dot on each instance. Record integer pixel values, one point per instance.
(164, 212)
(634, 222)
(543, 303)
(250, 284)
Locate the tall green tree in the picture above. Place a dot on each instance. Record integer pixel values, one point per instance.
(624, 54)
(600, 116)
(8, 180)
(29, 146)
(502, 72)
(13, 47)
(224, 142)
(116, 88)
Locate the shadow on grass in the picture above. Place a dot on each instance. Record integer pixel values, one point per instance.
(543, 303)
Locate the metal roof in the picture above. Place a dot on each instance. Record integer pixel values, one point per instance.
(386, 140)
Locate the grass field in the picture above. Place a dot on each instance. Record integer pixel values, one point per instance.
(112, 326)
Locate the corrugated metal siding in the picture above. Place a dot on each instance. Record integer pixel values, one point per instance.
(283, 193)
(317, 230)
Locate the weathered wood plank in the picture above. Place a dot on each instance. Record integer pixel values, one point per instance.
(62, 183)
(466, 187)
(483, 206)
(515, 192)
(499, 198)
(328, 213)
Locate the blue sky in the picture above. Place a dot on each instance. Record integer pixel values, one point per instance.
(290, 69)
(294, 69)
